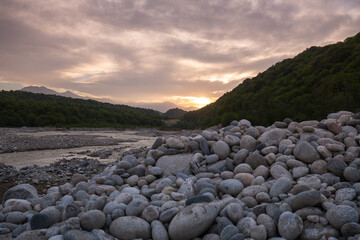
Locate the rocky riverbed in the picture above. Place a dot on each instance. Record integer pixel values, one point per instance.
(290, 180)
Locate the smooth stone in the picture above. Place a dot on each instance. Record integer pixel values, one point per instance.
(318, 167)
(135, 207)
(248, 142)
(232, 140)
(221, 149)
(290, 225)
(204, 146)
(20, 205)
(240, 156)
(130, 159)
(77, 234)
(130, 227)
(157, 143)
(278, 171)
(158, 231)
(336, 166)
(281, 185)
(351, 174)
(231, 186)
(304, 199)
(350, 229)
(39, 221)
(305, 152)
(228, 232)
(235, 212)
(16, 217)
(243, 168)
(300, 172)
(253, 190)
(245, 225)
(22, 191)
(261, 171)
(93, 219)
(174, 143)
(166, 216)
(344, 194)
(340, 215)
(269, 224)
(54, 213)
(258, 232)
(171, 164)
(213, 158)
(272, 137)
(77, 177)
(194, 220)
(245, 178)
(150, 213)
(255, 159)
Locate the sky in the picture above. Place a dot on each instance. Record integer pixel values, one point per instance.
(160, 52)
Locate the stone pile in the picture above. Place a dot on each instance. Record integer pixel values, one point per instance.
(287, 181)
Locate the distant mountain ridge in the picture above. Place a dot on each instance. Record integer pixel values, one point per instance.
(157, 106)
(45, 90)
(316, 82)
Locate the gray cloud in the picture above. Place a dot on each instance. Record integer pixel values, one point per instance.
(160, 50)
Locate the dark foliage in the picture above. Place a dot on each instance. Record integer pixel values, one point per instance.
(19, 108)
(311, 85)
(174, 113)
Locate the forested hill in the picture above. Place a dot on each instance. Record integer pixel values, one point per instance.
(19, 108)
(316, 82)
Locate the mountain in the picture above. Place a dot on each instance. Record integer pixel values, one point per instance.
(21, 108)
(158, 106)
(316, 82)
(174, 113)
(42, 89)
(45, 90)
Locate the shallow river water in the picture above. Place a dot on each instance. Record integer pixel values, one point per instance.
(128, 140)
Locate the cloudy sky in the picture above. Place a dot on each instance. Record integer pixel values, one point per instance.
(148, 51)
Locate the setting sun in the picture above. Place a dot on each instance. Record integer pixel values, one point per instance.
(201, 101)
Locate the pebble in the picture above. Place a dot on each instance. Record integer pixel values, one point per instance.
(193, 220)
(221, 149)
(231, 186)
(290, 180)
(305, 152)
(130, 227)
(340, 215)
(93, 219)
(304, 199)
(281, 185)
(290, 225)
(228, 232)
(158, 231)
